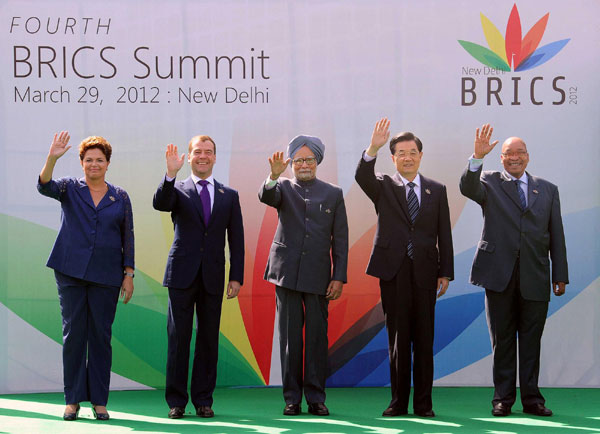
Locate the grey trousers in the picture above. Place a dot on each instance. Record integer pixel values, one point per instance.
(298, 309)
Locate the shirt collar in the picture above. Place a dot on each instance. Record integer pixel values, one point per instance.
(416, 181)
(523, 177)
(210, 179)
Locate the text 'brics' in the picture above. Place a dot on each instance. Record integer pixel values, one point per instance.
(89, 62)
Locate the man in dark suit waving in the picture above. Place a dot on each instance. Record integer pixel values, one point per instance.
(412, 257)
(203, 210)
(521, 225)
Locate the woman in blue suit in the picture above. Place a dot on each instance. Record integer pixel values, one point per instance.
(93, 261)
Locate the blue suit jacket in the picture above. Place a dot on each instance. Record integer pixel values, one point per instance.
(93, 243)
(511, 234)
(195, 245)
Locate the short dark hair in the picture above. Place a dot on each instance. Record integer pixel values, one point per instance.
(95, 142)
(405, 136)
(202, 139)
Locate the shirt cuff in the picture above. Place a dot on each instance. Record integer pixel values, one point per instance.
(168, 178)
(367, 157)
(270, 183)
(475, 163)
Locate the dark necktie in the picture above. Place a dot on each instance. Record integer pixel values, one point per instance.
(521, 194)
(413, 211)
(205, 199)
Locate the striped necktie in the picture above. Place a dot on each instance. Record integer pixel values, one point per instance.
(413, 211)
(521, 194)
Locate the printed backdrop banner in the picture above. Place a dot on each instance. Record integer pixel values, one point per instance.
(253, 75)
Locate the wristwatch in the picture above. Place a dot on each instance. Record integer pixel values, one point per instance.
(127, 273)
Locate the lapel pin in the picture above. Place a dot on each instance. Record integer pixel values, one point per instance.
(111, 198)
(535, 191)
(428, 191)
(221, 190)
(328, 211)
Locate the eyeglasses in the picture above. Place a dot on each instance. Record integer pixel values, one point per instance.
(402, 154)
(300, 161)
(515, 154)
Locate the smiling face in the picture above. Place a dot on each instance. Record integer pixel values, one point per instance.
(514, 156)
(304, 171)
(202, 157)
(94, 164)
(407, 158)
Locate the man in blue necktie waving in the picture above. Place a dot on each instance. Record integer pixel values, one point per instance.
(521, 226)
(412, 257)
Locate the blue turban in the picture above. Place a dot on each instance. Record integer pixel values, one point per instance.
(313, 143)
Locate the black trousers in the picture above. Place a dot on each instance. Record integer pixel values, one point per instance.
(511, 317)
(409, 318)
(179, 328)
(298, 310)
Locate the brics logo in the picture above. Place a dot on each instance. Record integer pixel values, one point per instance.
(512, 53)
(511, 50)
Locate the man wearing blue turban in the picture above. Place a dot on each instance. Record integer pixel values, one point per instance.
(307, 263)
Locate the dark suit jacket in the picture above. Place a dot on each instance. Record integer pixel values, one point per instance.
(93, 243)
(311, 233)
(196, 245)
(431, 233)
(510, 233)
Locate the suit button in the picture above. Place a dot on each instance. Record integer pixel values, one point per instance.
(205, 233)
(303, 253)
(306, 219)
(201, 249)
(306, 236)
(306, 190)
(412, 229)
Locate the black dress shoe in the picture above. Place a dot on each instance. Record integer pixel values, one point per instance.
(537, 409)
(72, 416)
(394, 411)
(291, 410)
(501, 409)
(176, 412)
(426, 413)
(205, 411)
(99, 416)
(318, 409)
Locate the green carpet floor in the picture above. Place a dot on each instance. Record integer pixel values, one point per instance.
(357, 410)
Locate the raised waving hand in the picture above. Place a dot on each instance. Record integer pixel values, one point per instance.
(278, 164)
(174, 161)
(482, 141)
(380, 136)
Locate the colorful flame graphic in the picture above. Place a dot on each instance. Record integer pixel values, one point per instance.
(511, 50)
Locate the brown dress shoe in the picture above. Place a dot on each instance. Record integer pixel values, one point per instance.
(500, 409)
(291, 410)
(176, 412)
(318, 409)
(205, 411)
(394, 411)
(537, 409)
